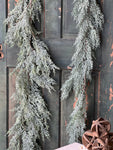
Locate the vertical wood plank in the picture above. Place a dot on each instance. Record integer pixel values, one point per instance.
(90, 102)
(104, 96)
(10, 82)
(66, 110)
(104, 80)
(2, 106)
(52, 100)
(3, 79)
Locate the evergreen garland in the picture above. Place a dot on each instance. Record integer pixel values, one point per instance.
(32, 73)
(89, 21)
(34, 67)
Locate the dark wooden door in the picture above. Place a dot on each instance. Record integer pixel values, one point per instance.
(59, 32)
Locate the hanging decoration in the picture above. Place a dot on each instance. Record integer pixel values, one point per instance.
(32, 73)
(34, 66)
(89, 20)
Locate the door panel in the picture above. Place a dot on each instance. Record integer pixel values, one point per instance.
(52, 18)
(59, 32)
(104, 75)
(68, 26)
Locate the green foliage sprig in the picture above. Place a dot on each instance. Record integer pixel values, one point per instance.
(89, 20)
(32, 73)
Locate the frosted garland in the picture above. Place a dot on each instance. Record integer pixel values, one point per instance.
(32, 73)
(89, 21)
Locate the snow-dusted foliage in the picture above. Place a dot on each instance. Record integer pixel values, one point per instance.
(89, 20)
(32, 73)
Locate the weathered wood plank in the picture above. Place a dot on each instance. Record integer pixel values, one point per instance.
(52, 18)
(104, 96)
(66, 110)
(52, 100)
(104, 80)
(2, 106)
(69, 27)
(3, 78)
(90, 102)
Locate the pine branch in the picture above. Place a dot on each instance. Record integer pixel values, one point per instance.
(33, 71)
(89, 21)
